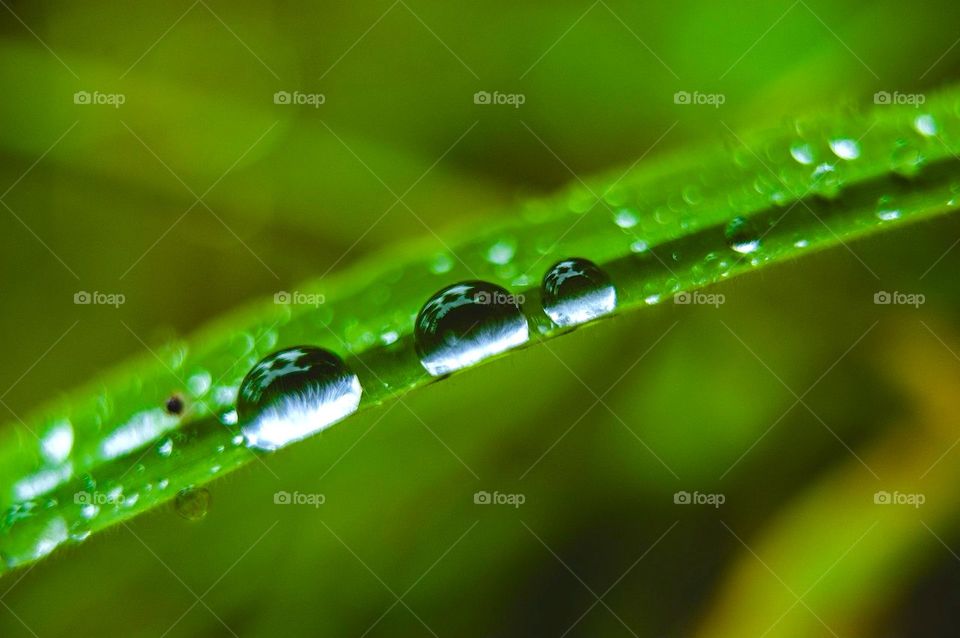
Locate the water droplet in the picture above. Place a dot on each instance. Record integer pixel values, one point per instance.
(925, 125)
(389, 337)
(466, 323)
(576, 291)
(886, 211)
(625, 218)
(57, 442)
(802, 152)
(742, 236)
(200, 382)
(442, 263)
(845, 148)
(501, 252)
(639, 246)
(80, 536)
(294, 393)
(193, 503)
(826, 182)
(165, 447)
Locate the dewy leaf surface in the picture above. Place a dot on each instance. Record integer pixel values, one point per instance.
(659, 231)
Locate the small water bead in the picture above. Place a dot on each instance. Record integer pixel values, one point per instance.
(80, 535)
(294, 393)
(466, 323)
(625, 218)
(825, 180)
(575, 291)
(441, 263)
(200, 383)
(193, 503)
(639, 246)
(845, 148)
(742, 235)
(389, 337)
(887, 211)
(501, 252)
(802, 152)
(521, 281)
(165, 447)
(57, 443)
(925, 125)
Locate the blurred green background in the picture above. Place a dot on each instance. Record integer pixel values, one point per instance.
(797, 400)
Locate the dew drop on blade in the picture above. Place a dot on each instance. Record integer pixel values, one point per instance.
(193, 503)
(576, 291)
(466, 323)
(742, 236)
(294, 393)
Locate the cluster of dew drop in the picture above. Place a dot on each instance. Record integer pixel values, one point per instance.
(296, 392)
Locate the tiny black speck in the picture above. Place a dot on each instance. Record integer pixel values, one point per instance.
(174, 405)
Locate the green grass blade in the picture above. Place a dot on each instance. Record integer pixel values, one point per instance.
(658, 230)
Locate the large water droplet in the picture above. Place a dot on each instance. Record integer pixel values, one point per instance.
(294, 393)
(466, 323)
(742, 235)
(576, 291)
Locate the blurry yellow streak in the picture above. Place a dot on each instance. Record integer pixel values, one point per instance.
(845, 557)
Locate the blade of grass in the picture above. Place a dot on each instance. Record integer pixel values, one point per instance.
(658, 230)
